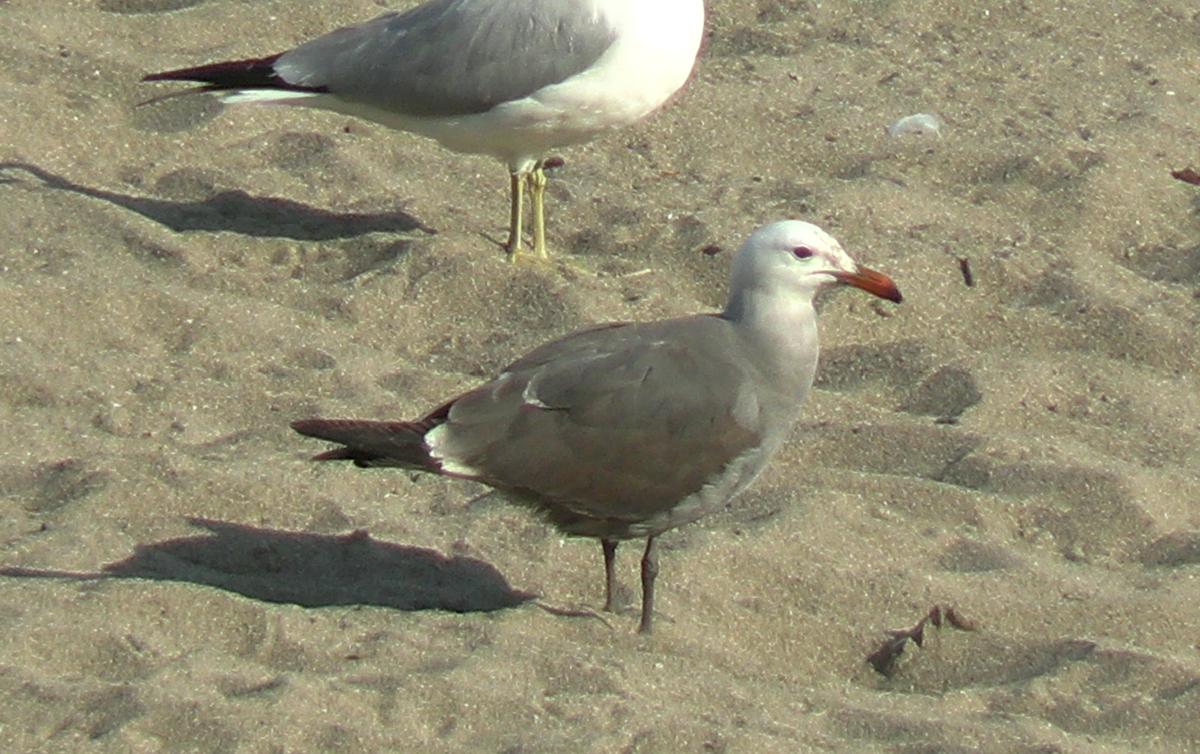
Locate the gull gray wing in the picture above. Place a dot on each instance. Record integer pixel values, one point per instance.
(451, 57)
(620, 423)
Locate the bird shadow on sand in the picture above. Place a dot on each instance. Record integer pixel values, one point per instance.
(311, 570)
(235, 211)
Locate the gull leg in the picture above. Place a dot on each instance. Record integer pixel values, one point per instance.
(649, 573)
(537, 193)
(610, 579)
(515, 221)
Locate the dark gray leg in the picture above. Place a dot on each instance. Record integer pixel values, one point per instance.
(649, 573)
(610, 578)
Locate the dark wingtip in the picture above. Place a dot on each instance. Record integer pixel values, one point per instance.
(333, 430)
(337, 454)
(319, 428)
(163, 76)
(371, 443)
(308, 427)
(252, 73)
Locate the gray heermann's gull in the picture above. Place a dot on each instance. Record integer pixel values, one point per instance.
(508, 78)
(624, 431)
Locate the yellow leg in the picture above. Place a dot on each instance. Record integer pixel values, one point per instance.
(515, 221)
(537, 193)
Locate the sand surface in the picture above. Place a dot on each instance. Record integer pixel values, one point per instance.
(178, 282)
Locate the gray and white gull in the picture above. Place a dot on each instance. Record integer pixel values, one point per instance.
(509, 78)
(623, 431)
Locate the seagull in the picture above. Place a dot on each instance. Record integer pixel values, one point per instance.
(509, 78)
(624, 431)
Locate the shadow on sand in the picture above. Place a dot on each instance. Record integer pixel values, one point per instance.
(312, 570)
(234, 211)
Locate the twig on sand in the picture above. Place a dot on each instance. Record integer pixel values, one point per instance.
(885, 659)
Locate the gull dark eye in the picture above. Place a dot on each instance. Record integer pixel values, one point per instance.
(802, 252)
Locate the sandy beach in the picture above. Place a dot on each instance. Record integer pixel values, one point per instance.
(179, 281)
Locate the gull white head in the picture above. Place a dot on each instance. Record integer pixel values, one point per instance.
(791, 261)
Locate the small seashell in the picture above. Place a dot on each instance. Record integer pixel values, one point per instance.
(921, 124)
